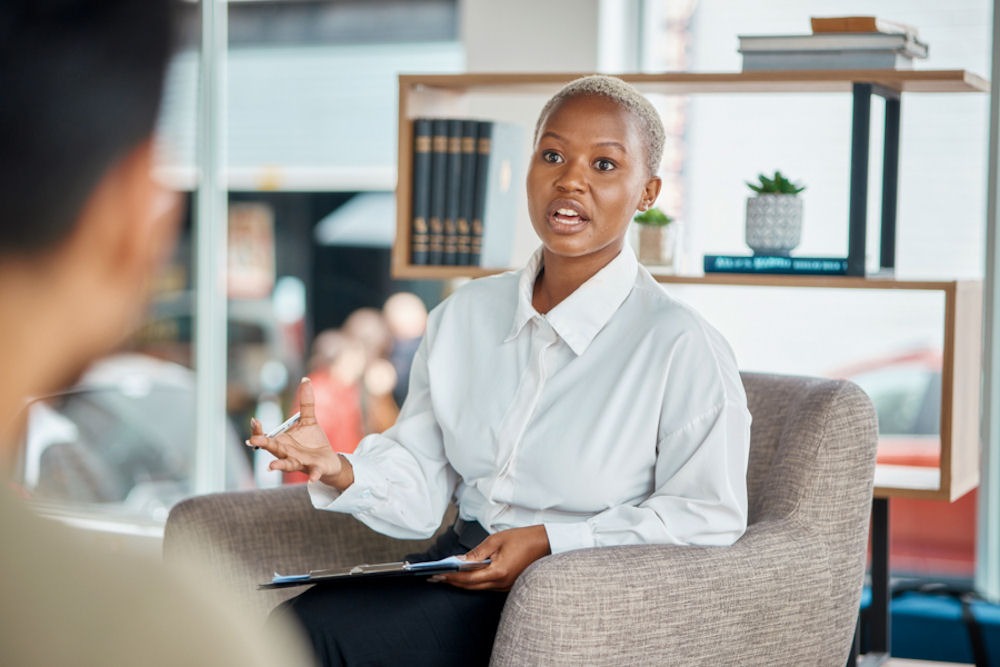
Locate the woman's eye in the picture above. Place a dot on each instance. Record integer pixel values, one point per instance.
(551, 156)
(604, 165)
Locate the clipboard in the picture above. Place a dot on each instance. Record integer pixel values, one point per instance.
(366, 571)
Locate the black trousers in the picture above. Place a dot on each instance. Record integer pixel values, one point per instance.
(402, 621)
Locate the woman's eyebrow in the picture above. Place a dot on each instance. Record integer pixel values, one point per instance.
(559, 137)
(613, 144)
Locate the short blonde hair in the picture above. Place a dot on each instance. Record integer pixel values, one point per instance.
(624, 95)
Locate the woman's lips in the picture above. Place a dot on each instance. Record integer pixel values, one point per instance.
(566, 217)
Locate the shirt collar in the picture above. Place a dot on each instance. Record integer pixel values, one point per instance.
(580, 317)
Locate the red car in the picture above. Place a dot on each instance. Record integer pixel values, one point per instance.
(926, 537)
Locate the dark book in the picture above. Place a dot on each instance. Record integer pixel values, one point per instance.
(421, 195)
(467, 196)
(499, 184)
(453, 193)
(439, 190)
(773, 264)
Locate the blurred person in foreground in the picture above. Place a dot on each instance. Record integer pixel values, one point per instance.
(83, 229)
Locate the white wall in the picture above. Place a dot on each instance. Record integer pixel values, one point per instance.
(544, 36)
(942, 192)
(530, 35)
(942, 187)
(729, 139)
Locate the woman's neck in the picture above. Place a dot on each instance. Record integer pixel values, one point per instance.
(561, 276)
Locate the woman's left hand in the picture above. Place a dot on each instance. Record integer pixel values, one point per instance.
(510, 552)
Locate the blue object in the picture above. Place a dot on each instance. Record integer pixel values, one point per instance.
(930, 626)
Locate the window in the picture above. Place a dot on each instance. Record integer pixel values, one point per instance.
(311, 121)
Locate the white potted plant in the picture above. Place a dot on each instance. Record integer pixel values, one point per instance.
(774, 215)
(656, 237)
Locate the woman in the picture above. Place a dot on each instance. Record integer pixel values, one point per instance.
(571, 404)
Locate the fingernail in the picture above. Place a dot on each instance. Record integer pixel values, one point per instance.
(436, 579)
(305, 379)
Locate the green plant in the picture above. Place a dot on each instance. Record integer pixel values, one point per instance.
(777, 185)
(653, 217)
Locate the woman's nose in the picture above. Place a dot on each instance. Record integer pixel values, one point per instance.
(572, 178)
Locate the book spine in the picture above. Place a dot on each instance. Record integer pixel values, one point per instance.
(769, 264)
(421, 196)
(453, 193)
(439, 190)
(483, 142)
(467, 199)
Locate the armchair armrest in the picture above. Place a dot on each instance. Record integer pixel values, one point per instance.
(767, 599)
(244, 537)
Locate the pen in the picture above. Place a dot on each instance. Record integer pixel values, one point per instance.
(284, 426)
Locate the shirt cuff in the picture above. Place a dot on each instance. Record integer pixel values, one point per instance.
(569, 536)
(361, 496)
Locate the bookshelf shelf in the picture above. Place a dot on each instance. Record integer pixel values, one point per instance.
(958, 471)
(800, 81)
(519, 95)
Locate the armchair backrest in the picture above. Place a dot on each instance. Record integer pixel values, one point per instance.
(812, 441)
(812, 460)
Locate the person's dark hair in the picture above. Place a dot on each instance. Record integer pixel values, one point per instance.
(80, 86)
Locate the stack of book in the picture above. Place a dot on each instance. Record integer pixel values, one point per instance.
(843, 42)
(466, 180)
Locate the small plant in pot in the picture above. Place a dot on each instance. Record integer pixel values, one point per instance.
(655, 237)
(774, 215)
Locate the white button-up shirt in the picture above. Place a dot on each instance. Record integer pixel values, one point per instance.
(616, 418)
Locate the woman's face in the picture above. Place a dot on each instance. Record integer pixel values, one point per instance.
(586, 179)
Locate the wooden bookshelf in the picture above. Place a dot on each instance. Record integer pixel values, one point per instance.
(683, 83)
(449, 96)
(958, 472)
(446, 95)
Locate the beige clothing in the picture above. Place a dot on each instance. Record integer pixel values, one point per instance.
(62, 602)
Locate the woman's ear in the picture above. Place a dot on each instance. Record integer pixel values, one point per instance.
(650, 191)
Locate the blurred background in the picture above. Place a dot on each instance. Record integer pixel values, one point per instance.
(308, 129)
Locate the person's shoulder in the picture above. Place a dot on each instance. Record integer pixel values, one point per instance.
(479, 295)
(500, 283)
(663, 310)
(673, 319)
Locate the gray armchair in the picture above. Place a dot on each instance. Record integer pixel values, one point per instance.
(786, 593)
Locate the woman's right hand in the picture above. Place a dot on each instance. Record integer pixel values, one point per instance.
(304, 447)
